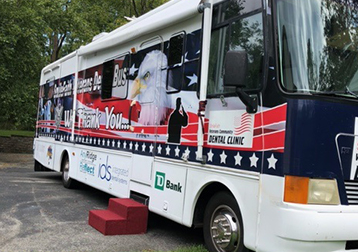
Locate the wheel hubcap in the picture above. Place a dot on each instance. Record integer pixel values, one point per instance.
(225, 231)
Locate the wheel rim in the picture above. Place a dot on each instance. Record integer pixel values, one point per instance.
(66, 169)
(225, 229)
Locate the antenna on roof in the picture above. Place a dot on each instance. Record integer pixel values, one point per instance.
(130, 18)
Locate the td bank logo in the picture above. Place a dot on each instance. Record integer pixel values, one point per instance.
(161, 183)
(159, 180)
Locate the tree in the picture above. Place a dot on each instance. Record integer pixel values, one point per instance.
(21, 50)
(34, 33)
(72, 23)
(141, 7)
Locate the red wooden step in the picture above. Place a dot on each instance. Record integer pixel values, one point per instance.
(107, 222)
(128, 208)
(123, 216)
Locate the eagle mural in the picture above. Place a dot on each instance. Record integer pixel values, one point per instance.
(149, 89)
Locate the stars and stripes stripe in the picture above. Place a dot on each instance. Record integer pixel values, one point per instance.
(244, 122)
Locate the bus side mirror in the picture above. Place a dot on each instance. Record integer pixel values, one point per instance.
(235, 69)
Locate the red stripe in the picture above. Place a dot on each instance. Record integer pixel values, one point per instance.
(243, 126)
(275, 115)
(241, 131)
(245, 118)
(274, 141)
(260, 131)
(246, 123)
(270, 116)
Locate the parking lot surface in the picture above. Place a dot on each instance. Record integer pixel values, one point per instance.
(38, 214)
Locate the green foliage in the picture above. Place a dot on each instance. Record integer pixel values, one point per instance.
(21, 50)
(8, 133)
(34, 33)
(198, 248)
(72, 23)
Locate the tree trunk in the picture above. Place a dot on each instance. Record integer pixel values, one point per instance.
(54, 54)
(135, 8)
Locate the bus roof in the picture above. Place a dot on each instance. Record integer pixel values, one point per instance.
(159, 18)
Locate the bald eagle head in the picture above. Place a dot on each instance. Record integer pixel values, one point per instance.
(149, 88)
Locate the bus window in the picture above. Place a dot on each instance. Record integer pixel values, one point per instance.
(233, 8)
(107, 80)
(176, 48)
(235, 34)
(175, 63)
(318, 46)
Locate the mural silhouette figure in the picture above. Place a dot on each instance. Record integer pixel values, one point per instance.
(177, 120)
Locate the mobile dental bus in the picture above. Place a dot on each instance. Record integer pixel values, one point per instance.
(240, 117)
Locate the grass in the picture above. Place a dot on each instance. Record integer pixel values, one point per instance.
(199, 248)
(8, 133)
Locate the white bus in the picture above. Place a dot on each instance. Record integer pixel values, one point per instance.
(237, 116)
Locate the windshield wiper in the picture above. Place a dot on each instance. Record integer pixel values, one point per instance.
(348, 91)
(325, 93)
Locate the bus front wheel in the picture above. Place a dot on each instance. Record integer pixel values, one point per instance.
(66, 180)
(223, 230)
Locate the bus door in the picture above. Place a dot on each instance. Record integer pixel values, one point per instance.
(147, 94)
(235, 79)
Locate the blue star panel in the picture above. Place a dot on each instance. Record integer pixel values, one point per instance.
(262, 162)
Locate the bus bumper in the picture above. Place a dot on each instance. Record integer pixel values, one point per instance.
(340, 223)
(288, 227)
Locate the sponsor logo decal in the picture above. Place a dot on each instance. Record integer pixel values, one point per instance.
(87, 163)
(49, 152)
(110, 172)
(231, 128)
(104, 171)
(161, 183)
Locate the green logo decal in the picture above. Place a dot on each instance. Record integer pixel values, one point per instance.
(159, 180)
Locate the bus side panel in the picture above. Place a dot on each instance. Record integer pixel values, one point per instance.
(61, 150)
(141, 169)
(44, 152)
(104, 170)
(168, 190)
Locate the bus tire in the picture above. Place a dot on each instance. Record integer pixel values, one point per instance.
(65, 168)
(223, 228)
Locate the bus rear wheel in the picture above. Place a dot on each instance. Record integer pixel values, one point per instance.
(223, 230)
(65, 168)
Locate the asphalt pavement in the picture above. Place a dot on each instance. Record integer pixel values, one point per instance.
(38, 214)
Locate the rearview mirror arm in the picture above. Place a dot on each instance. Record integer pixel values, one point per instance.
(251, 101)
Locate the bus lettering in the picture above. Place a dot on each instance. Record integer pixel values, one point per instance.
(113, 121)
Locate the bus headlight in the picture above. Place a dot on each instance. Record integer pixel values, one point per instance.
(323, 191)
(311, 191)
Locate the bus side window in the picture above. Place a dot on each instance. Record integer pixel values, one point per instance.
(175, 62)
(107, 80)
(115, 78)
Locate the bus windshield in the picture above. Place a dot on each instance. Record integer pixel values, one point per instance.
(318, 46)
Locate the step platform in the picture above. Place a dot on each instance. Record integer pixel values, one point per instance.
(123, 216)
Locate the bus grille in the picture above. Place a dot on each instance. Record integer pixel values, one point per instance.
(352, 192)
